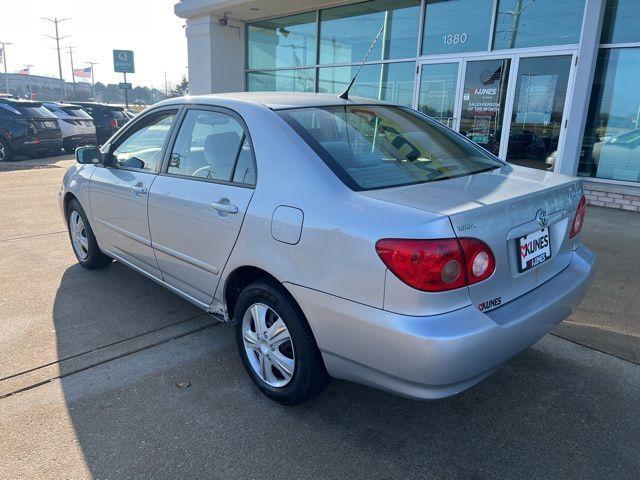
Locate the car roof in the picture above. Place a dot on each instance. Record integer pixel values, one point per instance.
(98, 104)
(274, 100)
(20, 103)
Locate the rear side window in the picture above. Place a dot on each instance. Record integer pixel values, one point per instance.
(6, 108)
(377, 146)
(141, 147)
(212, 145)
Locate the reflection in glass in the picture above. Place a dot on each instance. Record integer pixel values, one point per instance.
(347, 32)
(336, 79)
(452, 26)
(485, 88)
(621, 20)
(299, 80)
(538, 106)
(437, 95)
(527, 23)
(282, 42)
(611, 145)
(391, 82)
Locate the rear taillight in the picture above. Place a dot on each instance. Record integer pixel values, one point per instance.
(437, 265)
(114, 123)
(578, 220)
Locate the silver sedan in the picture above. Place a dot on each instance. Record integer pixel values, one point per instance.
(342, 238)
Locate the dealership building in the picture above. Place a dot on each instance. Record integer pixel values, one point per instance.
(549, 84)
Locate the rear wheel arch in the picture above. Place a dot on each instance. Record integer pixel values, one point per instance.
(242, 277)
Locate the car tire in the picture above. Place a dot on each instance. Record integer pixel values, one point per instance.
(83, 241)
(6, 155)
(299, 354)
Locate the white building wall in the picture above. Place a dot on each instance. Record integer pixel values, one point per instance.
(216, 55)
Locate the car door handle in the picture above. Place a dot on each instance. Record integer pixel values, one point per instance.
(223, 206)
(139, 190)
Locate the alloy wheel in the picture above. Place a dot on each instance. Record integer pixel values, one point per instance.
(79, 237)
(268, 345)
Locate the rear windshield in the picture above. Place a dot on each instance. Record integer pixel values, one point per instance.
(34, 111)
(76, 112)
(376, 146)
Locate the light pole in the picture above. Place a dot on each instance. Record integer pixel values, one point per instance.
(28, 76)
(73, 75)
(93, 82)
(57, 38)
(4, 60)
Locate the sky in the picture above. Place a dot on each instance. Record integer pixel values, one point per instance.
(95, 29)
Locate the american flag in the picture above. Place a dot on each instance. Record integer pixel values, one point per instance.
(24, 71)
(82, 72)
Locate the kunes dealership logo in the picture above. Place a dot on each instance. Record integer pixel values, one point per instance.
(485, 91)
(490, 304)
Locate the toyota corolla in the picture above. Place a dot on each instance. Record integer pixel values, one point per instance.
(342, 238)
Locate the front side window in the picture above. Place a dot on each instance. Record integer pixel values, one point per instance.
(372, 146)
(212, 145)
(142, 147)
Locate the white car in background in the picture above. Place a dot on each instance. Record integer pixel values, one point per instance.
(76, 125)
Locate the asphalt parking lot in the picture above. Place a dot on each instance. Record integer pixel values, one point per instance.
(90, 364)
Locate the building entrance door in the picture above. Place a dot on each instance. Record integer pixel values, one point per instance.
(513, 106)
(537, 113)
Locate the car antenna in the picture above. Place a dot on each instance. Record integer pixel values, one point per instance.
(345, 95)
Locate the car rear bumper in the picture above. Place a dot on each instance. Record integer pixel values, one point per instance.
(37, 144)
(440, 355)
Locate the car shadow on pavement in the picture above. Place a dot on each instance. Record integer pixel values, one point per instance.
(184, 408)
(21, 162)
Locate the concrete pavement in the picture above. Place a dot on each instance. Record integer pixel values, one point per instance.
(89, 363)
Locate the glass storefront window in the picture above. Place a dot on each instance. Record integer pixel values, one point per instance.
(485, 88)
(437, 96)
(621, 20)
(611, 144)
(282, 42)
(525, 23)
(391, 82)
(452, 26)
(298, 80)
(336, 79)
(347, 32)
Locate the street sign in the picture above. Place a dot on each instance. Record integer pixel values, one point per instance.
(124, 86)
(123, 61)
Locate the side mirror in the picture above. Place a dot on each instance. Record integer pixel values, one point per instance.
(88, 155)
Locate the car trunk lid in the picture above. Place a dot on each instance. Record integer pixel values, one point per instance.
(499, 207)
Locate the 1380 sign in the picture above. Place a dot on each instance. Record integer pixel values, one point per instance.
(455, 38)
(123, 61)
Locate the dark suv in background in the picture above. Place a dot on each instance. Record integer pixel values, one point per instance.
(107, 118)
(27, 128)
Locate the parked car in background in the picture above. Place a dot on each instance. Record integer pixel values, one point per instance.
(75, 123)
(27, 128)
(344, 238)
(106, 118)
